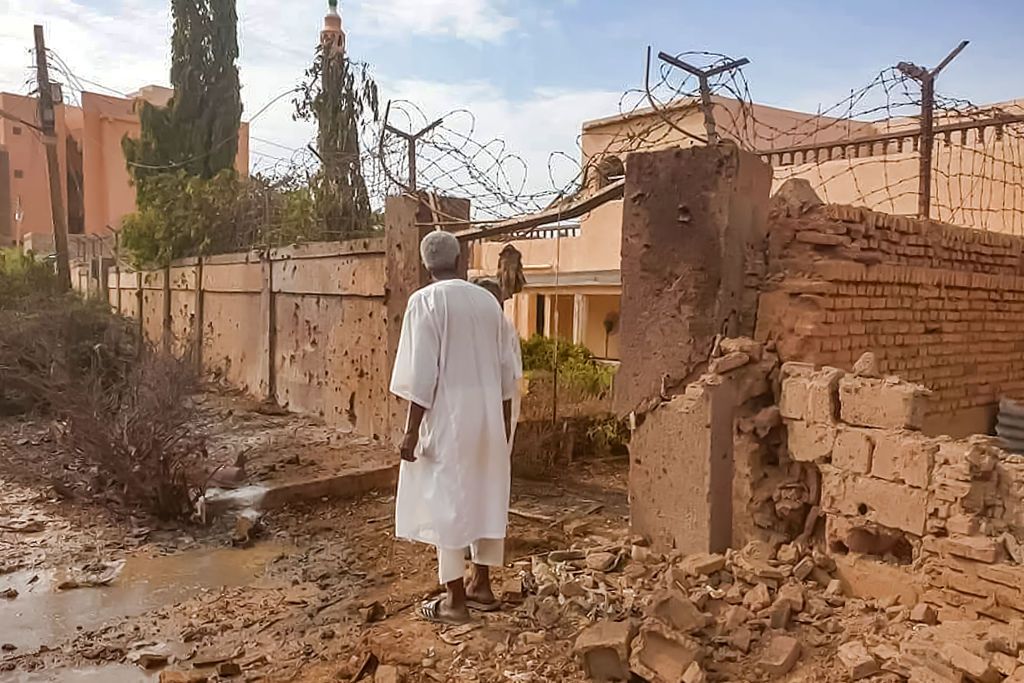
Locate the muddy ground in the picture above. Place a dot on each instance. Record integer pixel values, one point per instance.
(325, 586)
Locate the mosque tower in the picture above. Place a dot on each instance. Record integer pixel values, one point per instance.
(333, 36)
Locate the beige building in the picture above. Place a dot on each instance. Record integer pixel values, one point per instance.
(96, 187)
(572, 271)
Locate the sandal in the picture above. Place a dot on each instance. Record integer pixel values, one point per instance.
(431, 611)
(483, 606)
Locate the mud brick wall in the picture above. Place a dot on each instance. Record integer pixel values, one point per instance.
(939, 305)
(946, 513)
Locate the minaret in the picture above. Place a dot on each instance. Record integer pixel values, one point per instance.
(333, 36)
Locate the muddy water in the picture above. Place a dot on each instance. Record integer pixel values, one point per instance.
(42, 615)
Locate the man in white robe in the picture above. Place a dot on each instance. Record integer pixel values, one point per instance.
(455, 367)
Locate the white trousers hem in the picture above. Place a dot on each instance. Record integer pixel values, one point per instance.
(451, 562)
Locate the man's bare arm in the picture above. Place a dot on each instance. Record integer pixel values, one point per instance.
(411, 439)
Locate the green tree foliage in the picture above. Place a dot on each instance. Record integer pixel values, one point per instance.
(197, 132)
(339, 95)
(182, 163)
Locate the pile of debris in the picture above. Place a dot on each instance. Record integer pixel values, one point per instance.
(755, 614)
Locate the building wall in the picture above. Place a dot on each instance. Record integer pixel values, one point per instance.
(305, 326)
(939, 305)
(98, 128)
(28, 179)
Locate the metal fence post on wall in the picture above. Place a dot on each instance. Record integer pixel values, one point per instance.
(268, 304)
(926, 142)
(168, 323)
(140, 302)
(199, 318)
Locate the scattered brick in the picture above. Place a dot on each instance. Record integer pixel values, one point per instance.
(781, 655)
(923, 613)
(702, 564)
(604, 649)
(728, 362)
(677, 612)
(858, 661)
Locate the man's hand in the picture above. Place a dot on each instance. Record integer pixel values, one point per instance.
(408, 447)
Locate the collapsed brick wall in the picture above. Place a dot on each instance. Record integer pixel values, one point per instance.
(939, 305)
(948, 512)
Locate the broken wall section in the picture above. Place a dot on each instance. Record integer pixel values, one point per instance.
(709, 469)
(692, 259)
(939, 305)
(948, 513)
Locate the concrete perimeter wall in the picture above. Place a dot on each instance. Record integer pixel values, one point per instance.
(939, 305)
(304, 325)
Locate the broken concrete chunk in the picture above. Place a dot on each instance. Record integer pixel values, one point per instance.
(695, 674)
(677, 612)
(387, 673)
(867, 366)
(804, 568)
(604, 650)
(923, 613)
(779, 615)
(746, 345)
(793, 593)
(781, 655)
(728, 363)
(702, 564)
(662, 656)
(741, 639)
(757, 598)
(976, 667)
(602, 561)
(733, 618)
(183, 677)
(857, 660)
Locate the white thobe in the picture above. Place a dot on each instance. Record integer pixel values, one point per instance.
(456, 359)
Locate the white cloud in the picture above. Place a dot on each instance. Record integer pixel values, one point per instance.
(470, 20)
(125, 45)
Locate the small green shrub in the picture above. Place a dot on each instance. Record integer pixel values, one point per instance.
(24, 280)
(577, 369)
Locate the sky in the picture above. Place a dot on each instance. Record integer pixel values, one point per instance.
(532, 71)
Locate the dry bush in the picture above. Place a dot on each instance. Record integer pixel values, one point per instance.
(138, 436)
(48, 344)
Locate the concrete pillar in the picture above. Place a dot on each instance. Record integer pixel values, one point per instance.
(693, 227)
(693, 221)
(680, 475)
(406, 222)
(579, 318)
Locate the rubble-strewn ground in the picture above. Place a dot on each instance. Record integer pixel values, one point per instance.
(327, 588)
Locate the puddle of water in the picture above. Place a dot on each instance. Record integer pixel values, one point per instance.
(115, 673)
(42, 615)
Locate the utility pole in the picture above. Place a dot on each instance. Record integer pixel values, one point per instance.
(48, 123)
(411, 139)
(926, 142)
(705, 89)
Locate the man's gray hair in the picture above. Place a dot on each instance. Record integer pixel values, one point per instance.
(440, 251)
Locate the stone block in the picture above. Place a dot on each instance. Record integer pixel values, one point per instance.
(387, 673)
(977, 668)
(904, 456)
(676, 611)
(702, 564)
(780, 656)
(857, 660)
(810, 441)
(695, 674)
(793, 402)
(896, 506)
(604, 649)
(882, 403)
(977, 548)
(853, 449)
(728, 362)
(923, 613)
(681, 470)
(661, 656)
(823, 395)
(746, 345)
